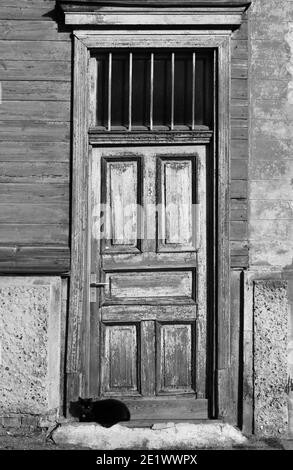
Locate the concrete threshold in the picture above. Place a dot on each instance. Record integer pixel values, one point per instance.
(160, 436)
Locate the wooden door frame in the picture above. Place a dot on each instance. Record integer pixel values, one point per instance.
(79, 310)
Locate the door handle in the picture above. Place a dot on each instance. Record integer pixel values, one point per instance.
(99, 284)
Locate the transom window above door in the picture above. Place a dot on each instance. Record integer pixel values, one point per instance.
(153, 90)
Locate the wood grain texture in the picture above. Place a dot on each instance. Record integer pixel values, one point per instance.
(239, 149)
(131, 313)
(127, 38)
(31, 259)
(148, 357)
(239, 48)
(35, 12)
(34, 234)
(28, 33)
(239, 169)
(31, 30)
(122, 188)
(32, 69)
(162, 260)
(54, 111)
(223, 261)
(177, 187)
(175, 359)
(34, 131)
(33, 90)
(29, 3)
(239, 109)
(35, 50)
(36, 213)
(119, 371)
(34, 172)
(238, 230)
(147, 18)
(239, 88)
(33, 193)
(240, 261)
(239, 209)
(239, 247)
(199, 136)
(149, 284)
(161, 409)
(94, 263)
(239, 189)
(78, 344)
(34, 152)
(239, 69)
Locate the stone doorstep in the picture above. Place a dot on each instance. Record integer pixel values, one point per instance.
(160, 436)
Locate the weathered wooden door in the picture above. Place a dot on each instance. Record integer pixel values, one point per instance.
(148, 277)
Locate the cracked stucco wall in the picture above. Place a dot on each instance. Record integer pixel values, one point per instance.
(271, 155)
(30, 342)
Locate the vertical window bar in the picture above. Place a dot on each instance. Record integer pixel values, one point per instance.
(109, 90)
(172, 88)
(130, 93)
(152, 92)
(193, 91)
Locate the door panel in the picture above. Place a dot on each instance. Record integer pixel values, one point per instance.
(120, 374)
(176, 194)
(140, 286)
(148, 249)
(175, 346)
(121, 200)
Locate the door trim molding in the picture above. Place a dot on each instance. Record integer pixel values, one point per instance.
(78, 320)
(158, 13)
(150, 138)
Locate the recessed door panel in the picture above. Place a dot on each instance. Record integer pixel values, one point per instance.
(175, 349)
(138, 285)
(120, 373)
(177, 203)
(121, 200)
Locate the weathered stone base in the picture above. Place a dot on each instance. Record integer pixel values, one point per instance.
(30, 350)
(172, 436)
(271, 315)
(267, 355)
(29, 422)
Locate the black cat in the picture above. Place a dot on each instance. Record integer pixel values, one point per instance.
(104, 412)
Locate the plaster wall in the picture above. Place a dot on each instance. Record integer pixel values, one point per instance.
(271, 134)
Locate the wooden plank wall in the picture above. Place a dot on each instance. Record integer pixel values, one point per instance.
(239, 147)
(35, 74)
